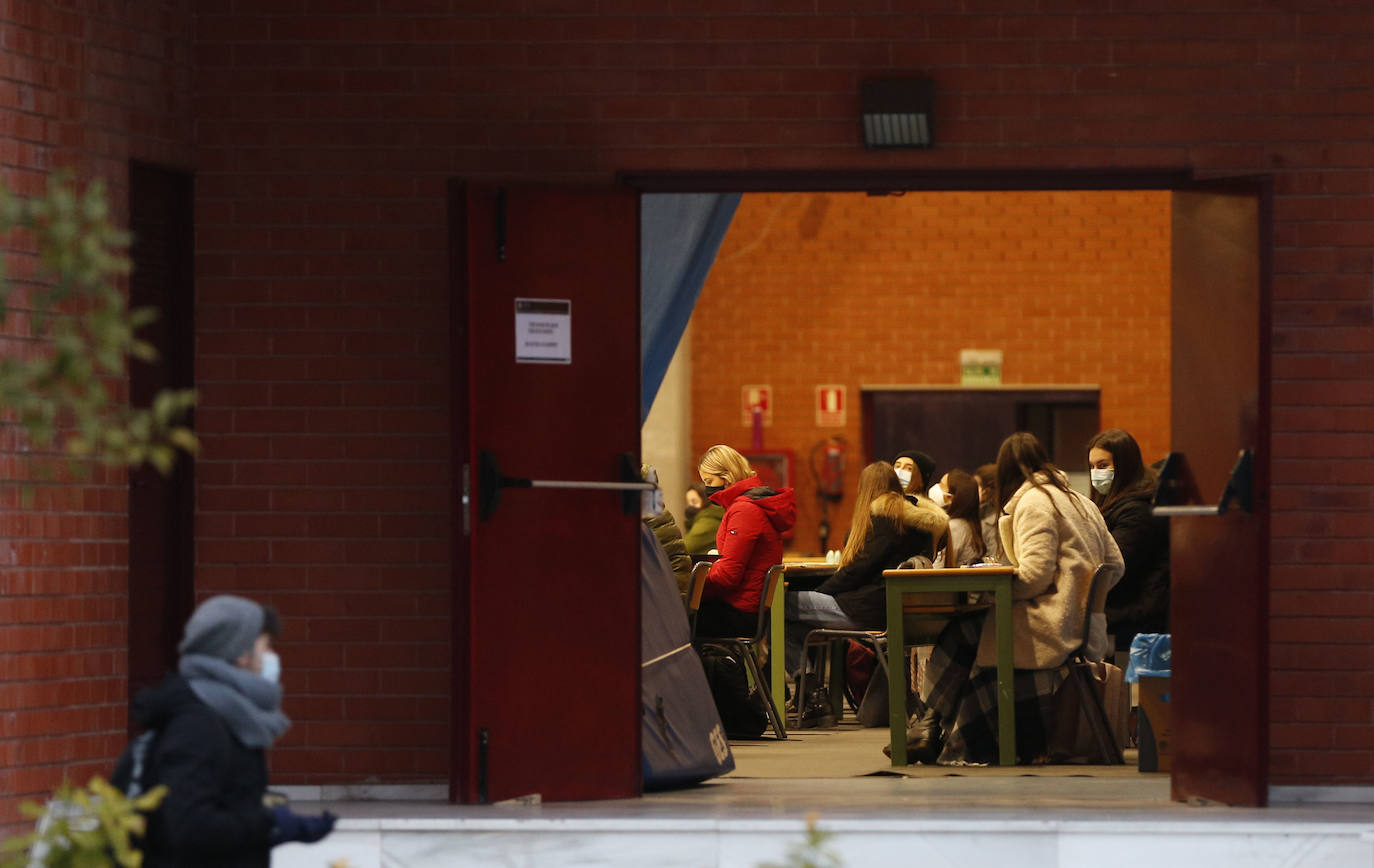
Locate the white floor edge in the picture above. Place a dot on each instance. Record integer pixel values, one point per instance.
(1348, 795)
(749, 844)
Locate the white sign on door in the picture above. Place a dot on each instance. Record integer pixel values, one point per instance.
(543, 331)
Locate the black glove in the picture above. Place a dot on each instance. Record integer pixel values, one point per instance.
(290, 826)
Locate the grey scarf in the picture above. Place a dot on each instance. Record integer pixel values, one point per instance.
(249, 703)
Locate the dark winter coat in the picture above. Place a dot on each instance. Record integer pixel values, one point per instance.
(665, 528)
(749, 541)
(858, 585)
(213, 815)
(1140, 601)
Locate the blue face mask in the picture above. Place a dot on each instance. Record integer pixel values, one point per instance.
(1102, 479)
(271, 666)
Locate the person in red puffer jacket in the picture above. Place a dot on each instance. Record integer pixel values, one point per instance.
(749, 541)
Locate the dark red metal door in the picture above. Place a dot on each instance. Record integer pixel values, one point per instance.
(1220, 563)
(546, 605)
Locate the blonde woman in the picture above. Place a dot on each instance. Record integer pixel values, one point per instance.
(887, 528)
(749, 540)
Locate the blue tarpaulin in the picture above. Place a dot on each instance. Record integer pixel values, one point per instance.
(683, 740)
(679, 234)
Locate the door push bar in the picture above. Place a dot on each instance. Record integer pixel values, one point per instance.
(1239, 490)
(491, 481)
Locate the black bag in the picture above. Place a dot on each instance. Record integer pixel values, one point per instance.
(1081, 733)
(743, 712)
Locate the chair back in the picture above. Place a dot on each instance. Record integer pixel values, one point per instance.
(694, 590)
(1096, 603)
(770, 587)
(940, 545)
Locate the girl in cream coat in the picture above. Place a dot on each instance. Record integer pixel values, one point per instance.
(1056, 539)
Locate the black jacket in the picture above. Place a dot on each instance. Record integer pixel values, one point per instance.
(1139, 603)
(858, 585)
(213, 814)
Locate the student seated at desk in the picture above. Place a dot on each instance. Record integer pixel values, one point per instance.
(749, 540)
(915, 471)
(988, 512)
(660, 520)
(965, 525)
(702, 522)
(1056, 538)
(1123, 488)
(887, 528)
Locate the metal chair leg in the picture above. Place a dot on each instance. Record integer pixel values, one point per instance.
(753, 664)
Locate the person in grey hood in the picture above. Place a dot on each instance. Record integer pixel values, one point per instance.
(212, 721)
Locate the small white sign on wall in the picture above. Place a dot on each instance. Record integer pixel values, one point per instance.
(543, 331)
(980, 367)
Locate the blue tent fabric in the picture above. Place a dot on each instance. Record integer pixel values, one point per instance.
(683, 740)
(679, 235)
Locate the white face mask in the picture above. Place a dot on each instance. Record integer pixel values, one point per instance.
(937, 493)
(271, 666)
(904, 477)
(1102, 479)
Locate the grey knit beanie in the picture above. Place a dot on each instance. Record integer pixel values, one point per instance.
(224, 627)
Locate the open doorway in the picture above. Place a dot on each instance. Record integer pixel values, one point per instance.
(1115, 335)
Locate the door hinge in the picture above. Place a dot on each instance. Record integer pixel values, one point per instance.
(501, 224)
(466, 500)
(483, 766)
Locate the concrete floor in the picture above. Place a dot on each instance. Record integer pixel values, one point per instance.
(849, 750)
(1058, 816)
(841, 772)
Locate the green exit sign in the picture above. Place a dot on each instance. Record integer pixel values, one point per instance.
(980, 367)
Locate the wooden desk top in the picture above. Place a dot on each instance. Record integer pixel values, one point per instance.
(968, 572)
(809, 568)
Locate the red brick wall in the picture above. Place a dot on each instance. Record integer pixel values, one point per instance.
(828, 288)
(334, 121)
(326, 132)
(84, 86)
(323, 368)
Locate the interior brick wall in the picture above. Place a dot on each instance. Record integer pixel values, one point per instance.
(84, 87)
(850, 289)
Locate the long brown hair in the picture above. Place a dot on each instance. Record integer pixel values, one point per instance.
(963, 492)
(1130, 473)
(875, 480)
(1022, 459)
(986, 474)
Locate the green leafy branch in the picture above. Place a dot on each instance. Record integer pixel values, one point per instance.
(57, 378)
(93, 827)
(811, 851)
